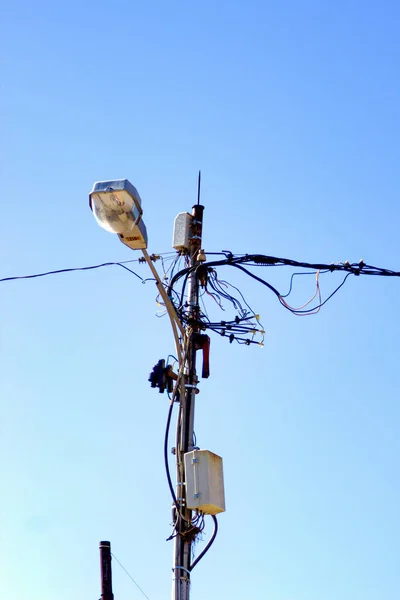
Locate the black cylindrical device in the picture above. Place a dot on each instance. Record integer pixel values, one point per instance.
(105, 570)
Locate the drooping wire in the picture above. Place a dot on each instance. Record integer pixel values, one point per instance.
(299, 309)
(300, 312)
(108, 264)
(295, 275)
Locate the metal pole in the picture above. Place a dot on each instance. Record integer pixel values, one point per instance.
(183, 540)
(105, 570)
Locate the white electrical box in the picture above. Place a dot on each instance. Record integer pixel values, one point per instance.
(204, 482)
(180, 239)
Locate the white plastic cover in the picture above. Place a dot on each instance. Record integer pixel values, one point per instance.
(204, 482)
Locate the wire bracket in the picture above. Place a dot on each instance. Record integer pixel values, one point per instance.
(183, 569)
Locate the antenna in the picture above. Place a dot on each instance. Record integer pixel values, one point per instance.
(198, 188)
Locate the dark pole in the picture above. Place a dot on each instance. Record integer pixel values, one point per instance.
(105, 570)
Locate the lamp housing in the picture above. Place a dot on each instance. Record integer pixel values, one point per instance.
(117, 208)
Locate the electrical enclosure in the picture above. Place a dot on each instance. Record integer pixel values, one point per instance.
(180, 239)
(204, 482)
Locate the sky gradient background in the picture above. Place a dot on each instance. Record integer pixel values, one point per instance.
(292, 111)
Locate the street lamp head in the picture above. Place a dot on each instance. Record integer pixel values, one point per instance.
(117, 208)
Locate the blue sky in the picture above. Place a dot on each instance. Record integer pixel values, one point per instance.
(292, 112)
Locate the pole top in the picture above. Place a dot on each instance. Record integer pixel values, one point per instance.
(105, 544)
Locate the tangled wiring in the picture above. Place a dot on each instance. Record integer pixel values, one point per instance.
(246, 322)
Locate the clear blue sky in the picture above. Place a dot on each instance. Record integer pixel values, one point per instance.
(292, 111)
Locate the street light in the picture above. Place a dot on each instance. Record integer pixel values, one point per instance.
(117, 208)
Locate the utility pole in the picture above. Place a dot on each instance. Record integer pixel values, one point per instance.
(185, 438)
(105, 570)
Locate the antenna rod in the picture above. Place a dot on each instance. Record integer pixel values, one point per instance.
(105, 569)
(198, 188)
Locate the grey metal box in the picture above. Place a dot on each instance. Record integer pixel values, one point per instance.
(180, 239)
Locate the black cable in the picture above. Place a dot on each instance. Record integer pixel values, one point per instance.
(108, 264)
(360, 268)
(171, 356)
(183, 290)
(206, 549)
(171, 487)
(258, 279)
(130, 271)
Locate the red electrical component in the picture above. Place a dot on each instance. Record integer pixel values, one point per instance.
(202, 342)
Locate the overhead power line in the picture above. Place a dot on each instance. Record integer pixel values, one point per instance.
(245, 326)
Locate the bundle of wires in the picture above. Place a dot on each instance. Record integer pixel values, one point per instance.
(262, 260)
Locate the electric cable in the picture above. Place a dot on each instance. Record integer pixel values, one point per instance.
(299, 312)
(167, 471)
(168, 424)
(295, 275)
(210, 543)
(107, 264)
(317, 293)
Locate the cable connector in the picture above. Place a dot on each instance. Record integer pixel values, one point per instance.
(153, 257)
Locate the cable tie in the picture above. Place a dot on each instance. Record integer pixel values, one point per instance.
(183, 569)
